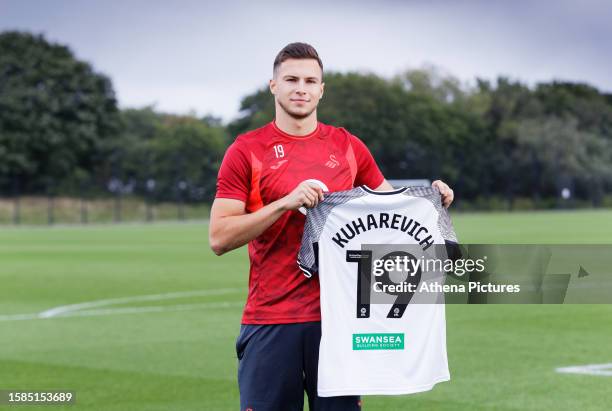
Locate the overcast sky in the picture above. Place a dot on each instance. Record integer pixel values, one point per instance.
(205, 56)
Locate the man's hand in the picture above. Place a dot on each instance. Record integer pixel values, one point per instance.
(306, 194)
(447, 194)
(232, 227)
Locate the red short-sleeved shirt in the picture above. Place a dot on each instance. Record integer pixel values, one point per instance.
(266, 164)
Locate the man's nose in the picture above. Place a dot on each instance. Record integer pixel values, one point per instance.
(301, 87)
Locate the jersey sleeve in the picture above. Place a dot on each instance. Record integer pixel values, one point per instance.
(233, 180)
(368, 172)
(308, 256)
(446, 226)
(453, 250)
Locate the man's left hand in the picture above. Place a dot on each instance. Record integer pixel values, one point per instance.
(447, 194)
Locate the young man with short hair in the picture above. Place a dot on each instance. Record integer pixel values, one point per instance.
(260, 187)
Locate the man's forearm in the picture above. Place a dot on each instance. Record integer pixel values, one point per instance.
(232, 232)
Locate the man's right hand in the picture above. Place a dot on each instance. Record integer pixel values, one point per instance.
(232, 227)
(306, 194)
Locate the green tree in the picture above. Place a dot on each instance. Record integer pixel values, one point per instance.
(579, 101)
(55, 112)
(165, 149)
(188, 152)
(430, 81)
(551, 151)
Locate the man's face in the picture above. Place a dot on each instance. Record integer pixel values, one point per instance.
(297, 87)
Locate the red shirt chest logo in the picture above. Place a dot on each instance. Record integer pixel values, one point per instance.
(287, 164)
(332, 162)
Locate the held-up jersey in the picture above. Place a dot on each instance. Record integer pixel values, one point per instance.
(374, 342)
(266, 164)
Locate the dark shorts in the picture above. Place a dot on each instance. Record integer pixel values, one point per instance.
(277, 363)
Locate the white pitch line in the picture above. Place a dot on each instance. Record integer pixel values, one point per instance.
(18, 317)
(84, 309)
(123, 300)
(151, 309)
(125, 310)
(604, 370)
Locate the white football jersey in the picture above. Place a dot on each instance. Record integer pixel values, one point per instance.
(377, 339)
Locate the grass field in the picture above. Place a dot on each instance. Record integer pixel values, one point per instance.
(176, 352)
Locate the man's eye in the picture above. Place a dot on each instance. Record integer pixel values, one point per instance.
(291, 80)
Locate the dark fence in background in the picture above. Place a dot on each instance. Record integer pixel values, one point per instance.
(114, 201)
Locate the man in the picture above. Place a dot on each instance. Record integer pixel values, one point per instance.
(260, 187)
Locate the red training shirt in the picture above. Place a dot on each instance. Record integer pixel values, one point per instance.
(266, 164)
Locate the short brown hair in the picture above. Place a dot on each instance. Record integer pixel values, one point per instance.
(297, 51)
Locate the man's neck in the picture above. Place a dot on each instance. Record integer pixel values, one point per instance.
(295, 127)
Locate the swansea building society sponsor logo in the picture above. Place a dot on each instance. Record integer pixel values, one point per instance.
(380, 341)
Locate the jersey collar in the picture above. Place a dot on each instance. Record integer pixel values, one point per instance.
(383, 193)
(292, 137)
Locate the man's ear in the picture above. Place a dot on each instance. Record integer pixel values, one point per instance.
(272, 86)
(322, 90)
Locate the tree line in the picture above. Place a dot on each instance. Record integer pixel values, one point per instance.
(61, 130)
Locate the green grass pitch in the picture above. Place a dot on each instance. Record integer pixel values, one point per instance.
(177, 352)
